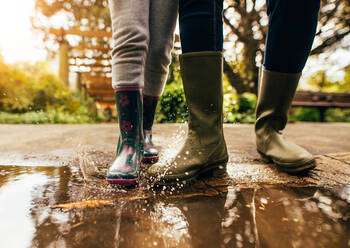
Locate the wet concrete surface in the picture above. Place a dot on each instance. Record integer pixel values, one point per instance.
(252, 205)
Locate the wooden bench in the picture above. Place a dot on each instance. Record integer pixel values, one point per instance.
(321, 101)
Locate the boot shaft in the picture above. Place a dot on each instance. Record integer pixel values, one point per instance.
(129, 107)
(275, 94)
(202, 80)
(149, 110)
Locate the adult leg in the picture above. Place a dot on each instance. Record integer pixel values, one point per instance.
(290, 35)
(201, 70)
(201, 27)
(130, 23)
(288, 45)
(162, 23)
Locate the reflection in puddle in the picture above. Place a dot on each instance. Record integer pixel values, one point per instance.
(240, 217)
(15, 199)
(170, 225)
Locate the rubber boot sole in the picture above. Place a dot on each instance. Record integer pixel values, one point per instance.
(300, 169)
(214, 169)
(123, 182)
(150, 159)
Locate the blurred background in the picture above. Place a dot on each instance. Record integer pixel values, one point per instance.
(55, 64)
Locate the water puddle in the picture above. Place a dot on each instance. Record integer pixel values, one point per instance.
(269, 216)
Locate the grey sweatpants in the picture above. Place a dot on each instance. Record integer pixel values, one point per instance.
(143, 37)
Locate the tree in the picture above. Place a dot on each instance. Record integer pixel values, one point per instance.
(79, 14)
(84, 14)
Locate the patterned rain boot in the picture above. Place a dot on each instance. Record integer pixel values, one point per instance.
(125, 168)
(150, 154)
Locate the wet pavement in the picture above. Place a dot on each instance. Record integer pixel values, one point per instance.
(53, 194)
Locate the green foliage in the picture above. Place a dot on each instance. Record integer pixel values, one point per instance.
(12, 84)
(230, 107)
(238, 108)
(247, 102)
(172, 105)
(52, 116)
(26, 88)
(304, 114)
(338, 115)
(312, 114)
(34, 94)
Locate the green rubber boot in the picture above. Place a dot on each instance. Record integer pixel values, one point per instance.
(125, 169)
(275, 95)
(205, 148)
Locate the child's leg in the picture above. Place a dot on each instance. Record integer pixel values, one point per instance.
(130, 24)
(162, 21)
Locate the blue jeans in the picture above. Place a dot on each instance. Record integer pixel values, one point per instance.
(201, 25)
(292, 27)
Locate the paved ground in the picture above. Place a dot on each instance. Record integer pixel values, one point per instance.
(254, 205)
(93, 146)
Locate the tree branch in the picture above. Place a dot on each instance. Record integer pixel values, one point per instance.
(234, 78)
(329, 42)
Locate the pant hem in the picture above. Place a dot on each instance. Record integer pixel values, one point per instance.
(127, 88)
